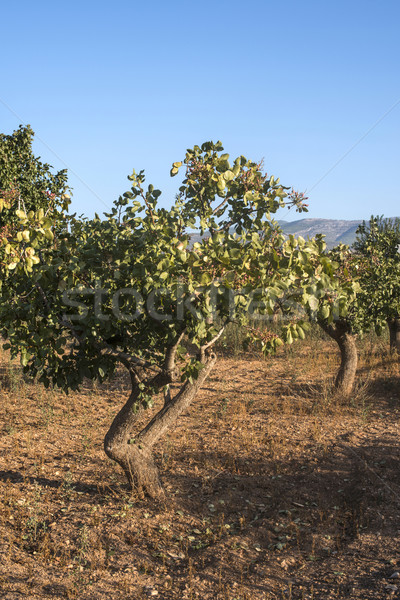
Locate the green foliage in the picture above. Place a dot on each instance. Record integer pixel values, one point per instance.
(379, 234)
(25, 182)
(378, 255)
(328, 290)
(246, 195)
(131, 287)
(31, 196)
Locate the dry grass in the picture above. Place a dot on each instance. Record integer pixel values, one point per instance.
(276, 487)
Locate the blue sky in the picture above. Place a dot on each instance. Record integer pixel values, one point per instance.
(108, 87)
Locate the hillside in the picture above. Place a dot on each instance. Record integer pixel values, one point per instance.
(336, 231)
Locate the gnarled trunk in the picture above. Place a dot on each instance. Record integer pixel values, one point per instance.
(394, 332)
(133, 451)
(341, 333)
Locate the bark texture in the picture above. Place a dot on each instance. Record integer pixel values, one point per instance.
(341, 333)
(133, 450)
(394, 331)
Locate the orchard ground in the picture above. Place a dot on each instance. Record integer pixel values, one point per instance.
(276, 489)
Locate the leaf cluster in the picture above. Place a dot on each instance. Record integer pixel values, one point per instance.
(377, 248)
(26, 183)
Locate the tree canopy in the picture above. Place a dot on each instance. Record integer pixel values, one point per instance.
(378, 248)
(31, 197)
(26, 183)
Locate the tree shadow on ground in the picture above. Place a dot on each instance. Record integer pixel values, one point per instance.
(381, 393)
(99, 493)
(315, 509)
(320, 510)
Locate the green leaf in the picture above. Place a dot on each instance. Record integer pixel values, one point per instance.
(248, 197)
(324, 311)
(313, 303)
(228, 175)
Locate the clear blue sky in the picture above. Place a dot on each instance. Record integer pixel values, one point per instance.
(111, 86)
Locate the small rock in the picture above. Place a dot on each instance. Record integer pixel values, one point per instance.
(176, 555)
(394, 575)
(392, 589)
(288, 562)
(151, 592)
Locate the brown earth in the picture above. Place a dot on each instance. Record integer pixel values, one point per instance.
(277, 489)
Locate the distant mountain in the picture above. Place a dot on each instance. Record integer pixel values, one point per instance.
(336, 231)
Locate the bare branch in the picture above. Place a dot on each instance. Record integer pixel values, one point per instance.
(210, 343)
(171, 353)
(167, 395)
(219, 206)
(125, 358)
(65, 323)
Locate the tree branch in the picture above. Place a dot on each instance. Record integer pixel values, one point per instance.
(169, 364)
(167, 395)
(219, 206)
(125, 358)
(209, 344)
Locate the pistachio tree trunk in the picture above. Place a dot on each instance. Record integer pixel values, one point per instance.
(133, 450)
(341, 333)
(394, 332)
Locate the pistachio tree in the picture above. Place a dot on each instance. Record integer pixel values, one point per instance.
(378, 248)
(328, 294)
(26, 183)
(31, 196)
(131, 290)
